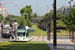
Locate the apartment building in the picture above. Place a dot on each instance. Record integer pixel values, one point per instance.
(63, 10)
(3, 11)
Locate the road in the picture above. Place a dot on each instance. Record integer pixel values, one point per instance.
(6, 30)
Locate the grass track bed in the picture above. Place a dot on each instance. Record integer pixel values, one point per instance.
(8, 45)
(35, 46)
(24, 46)
(38, 31)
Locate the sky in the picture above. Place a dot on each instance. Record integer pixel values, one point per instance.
(39, 6)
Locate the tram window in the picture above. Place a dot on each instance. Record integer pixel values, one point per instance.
(21, 34)
(21, 27)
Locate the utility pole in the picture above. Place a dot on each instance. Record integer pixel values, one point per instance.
(54, 30)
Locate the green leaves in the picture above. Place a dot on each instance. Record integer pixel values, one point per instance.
(59, 16)
(70, 21)
(11, 18)
(1, 18)
(26, 16)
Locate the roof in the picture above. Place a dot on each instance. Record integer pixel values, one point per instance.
(58, 9)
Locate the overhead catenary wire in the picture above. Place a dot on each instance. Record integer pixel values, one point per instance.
(16, 5)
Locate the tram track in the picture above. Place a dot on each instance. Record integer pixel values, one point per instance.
(16, 45)
(37, 40)
(31, 44)
(23, 43)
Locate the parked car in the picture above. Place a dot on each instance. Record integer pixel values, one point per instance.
(8, 27)
(7, 35)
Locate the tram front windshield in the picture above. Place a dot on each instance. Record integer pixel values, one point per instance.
(21, 33)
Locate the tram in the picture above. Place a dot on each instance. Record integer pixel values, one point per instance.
(24, 33)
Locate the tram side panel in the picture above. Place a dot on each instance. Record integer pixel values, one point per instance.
(31, 33)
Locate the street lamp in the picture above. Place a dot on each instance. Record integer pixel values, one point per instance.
(70, 3)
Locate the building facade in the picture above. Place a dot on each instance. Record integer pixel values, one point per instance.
(63, 10)
(3, 11)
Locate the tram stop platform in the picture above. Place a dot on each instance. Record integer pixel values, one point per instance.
(62, 44)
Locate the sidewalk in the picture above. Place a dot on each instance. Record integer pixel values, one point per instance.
(62, 44)
(4, 40)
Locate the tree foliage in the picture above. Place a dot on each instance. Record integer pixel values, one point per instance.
(11, 18)
(70, 20)
(35, 15)
(59, 15)
(27, 10)
(26, 16)
(1, 18)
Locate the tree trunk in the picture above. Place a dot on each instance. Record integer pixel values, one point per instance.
(72, 36)
(49, 32)
(2, 29)
(69, 35)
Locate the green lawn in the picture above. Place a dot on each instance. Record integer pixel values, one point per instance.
(23, 46)
(38, 31)
(8, 45)
(35, 46)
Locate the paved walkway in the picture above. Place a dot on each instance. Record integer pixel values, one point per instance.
(4, 40)
(62, 44)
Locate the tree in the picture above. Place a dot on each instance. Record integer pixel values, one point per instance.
(58, 16)
(27, 10)
(11, 18)
(70, 21)
(26, 16)
(1, 18)
(20, 20)
(35, 14)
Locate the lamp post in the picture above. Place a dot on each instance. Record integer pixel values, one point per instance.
(54, 26)
(70, 3)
